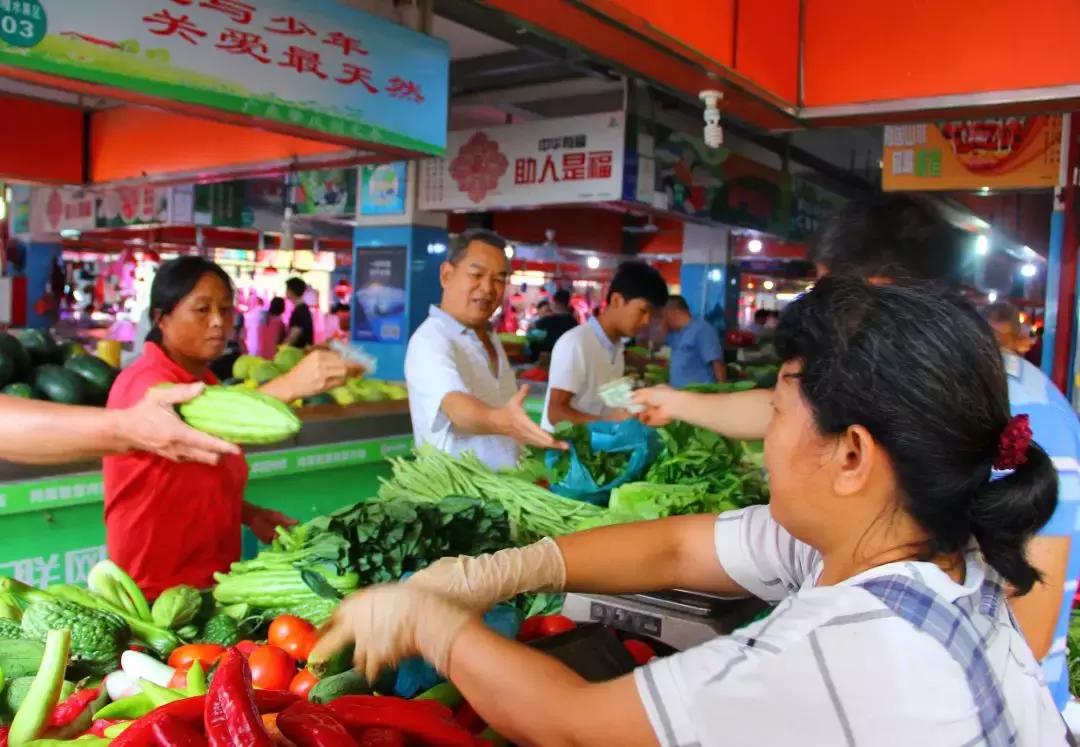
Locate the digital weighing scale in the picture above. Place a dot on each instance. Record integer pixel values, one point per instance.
(679, 619)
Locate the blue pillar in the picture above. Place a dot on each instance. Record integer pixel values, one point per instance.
(40, 258)
(382, 318)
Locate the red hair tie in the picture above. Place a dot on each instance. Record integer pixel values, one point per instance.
(1014, 442)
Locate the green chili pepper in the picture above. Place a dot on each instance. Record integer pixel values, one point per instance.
(159, 695)
(131, 707)
(196, 679)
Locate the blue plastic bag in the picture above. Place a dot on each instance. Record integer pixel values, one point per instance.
(415, 676)
(628, 435)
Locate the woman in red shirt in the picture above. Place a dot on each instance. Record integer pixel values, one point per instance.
(168, 523)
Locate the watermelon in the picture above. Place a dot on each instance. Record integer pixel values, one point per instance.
(59, 384)
(19, 389)
(97, 375)
(12, 349)
(41, 346)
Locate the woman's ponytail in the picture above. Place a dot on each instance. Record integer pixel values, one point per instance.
(1005, 513)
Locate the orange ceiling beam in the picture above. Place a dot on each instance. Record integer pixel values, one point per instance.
(858, 52)
(129, 142)
(615, 30)
(40, 141)
(786, 63)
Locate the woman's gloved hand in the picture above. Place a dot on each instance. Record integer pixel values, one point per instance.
(391, 623)
(480, 583)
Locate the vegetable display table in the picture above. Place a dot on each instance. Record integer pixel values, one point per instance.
(50, 517)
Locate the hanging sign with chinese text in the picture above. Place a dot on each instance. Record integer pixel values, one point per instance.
(311, 65)
(1004, 153)
(554, 161)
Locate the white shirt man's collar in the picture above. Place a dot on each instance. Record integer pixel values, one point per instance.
(601, 335)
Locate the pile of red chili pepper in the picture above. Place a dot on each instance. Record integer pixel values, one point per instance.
(233, 714)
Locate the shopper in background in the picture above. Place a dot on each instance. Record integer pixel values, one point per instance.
(33, 432)
(759, 326)
(697, 357)
(1004, 319)
(897, 236)
(591, 355)
(301, 332)
(169, 523)
(462, 392)
(272, 328)
(550, 327)
(887, 545)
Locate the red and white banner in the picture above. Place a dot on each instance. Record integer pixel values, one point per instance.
(555, 161)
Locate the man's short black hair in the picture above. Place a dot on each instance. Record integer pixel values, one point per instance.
(561, 297)
(638, 280)
(891, 236)
(460, 243)
(296, 286)
(762, 315)
(678, 303)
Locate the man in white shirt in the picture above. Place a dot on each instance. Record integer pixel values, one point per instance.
(589, 356)
(462, 392)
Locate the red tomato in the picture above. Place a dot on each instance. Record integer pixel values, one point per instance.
(300, 645)
(246, 647)
(179, 678)
(271, 668)
(530, 629)
(287, 628)
(641, 652)
(302, 683)
(543, 626)
(206, 653)
(555, 624)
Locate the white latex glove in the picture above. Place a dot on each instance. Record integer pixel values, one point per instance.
(482, 582)
(391, 623)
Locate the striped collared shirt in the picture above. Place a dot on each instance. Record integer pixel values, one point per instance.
(836, 665)
(1057, 430)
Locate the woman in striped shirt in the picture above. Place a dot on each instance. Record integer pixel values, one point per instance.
(903, 494)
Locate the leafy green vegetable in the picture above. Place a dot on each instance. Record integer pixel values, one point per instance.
(645, 500)
(723, 467)
(533, 511)
(602, 466)
(1073, 649)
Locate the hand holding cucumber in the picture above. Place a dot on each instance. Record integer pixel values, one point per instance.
(153, 425)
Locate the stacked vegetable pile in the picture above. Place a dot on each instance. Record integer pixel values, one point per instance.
(310, 567)
(34, 365)
(533, 511)
(251, 372)
(720, 470)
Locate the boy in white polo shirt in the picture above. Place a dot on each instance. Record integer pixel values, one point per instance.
(591, 355)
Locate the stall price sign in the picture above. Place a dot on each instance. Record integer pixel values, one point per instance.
(555, 161)
(1002, 153)
(318, 65)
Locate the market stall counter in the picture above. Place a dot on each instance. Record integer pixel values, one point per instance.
(51, 517)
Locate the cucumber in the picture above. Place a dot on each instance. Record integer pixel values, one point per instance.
(349, 682)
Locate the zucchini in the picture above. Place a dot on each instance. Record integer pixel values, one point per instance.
(33, 715)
